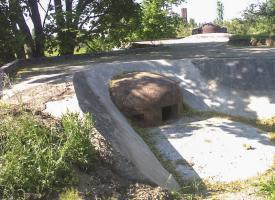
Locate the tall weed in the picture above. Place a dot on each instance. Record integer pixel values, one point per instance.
(39, 160)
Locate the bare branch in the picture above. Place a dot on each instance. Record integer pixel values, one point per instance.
(47, 13)
(41, 6)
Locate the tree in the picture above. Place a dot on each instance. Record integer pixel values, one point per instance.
(257, 19)
(70, 24)
(262, 14)
(220, 12)
(76, 22)
(38, 28)
(193, 23)
(7, 39)
(18, 10)
(185, 29)
(157, 19)
(14, 14)
(238, 26)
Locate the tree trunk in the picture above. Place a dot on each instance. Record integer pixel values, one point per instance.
(65, 36)
(38, 29)
(19, 49)
(18, 17)
(69, 9)
(67, 46)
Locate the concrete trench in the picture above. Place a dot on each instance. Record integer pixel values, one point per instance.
(239, 87)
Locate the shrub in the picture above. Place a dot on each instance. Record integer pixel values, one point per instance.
(246, 40)
(267, 188)
(39, 160)
(71, 194)
(243, 40)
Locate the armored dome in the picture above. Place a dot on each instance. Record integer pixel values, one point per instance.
(146, 98)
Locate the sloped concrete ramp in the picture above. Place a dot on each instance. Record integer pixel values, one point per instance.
(243, 87)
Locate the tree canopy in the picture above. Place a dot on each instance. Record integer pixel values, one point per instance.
(67, 24)
(157, 19)
(258, 18)
(220, 12)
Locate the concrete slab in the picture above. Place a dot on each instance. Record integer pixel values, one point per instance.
(215, 149)
(198, 38)
(59, 108)
(229, 85)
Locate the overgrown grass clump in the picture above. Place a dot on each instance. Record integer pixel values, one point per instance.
(70, 194)
(267, 187)
(38, 159)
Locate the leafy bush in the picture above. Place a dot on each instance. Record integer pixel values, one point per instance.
(241, 37)
(157, 22)
(184, 30)
(38, 160)
(243, 40)
(71, 194)
(268, 188)
(246, 40)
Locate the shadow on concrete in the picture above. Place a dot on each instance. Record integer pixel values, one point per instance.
(168, 52)
(230, 128)
(173, 142)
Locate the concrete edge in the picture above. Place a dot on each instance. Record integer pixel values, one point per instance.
(13, 67)
(138, 164)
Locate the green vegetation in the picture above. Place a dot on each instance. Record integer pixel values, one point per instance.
(67, 25)
(256, 27)
(7, 41)
(267, 187)
(252, 40)
(185, 29)
(85, 26)
(220, 12)
(81, 26)
(38, 155)
(157, 19)
(257, 19)
(70, 194)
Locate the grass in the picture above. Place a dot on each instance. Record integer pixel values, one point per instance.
(37, 158)
(71, 194)
(267, 187)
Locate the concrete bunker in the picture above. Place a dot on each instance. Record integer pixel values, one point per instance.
(209, 28)
(194, 76)
(146, 98)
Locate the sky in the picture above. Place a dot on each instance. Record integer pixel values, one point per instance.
(205, 10)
